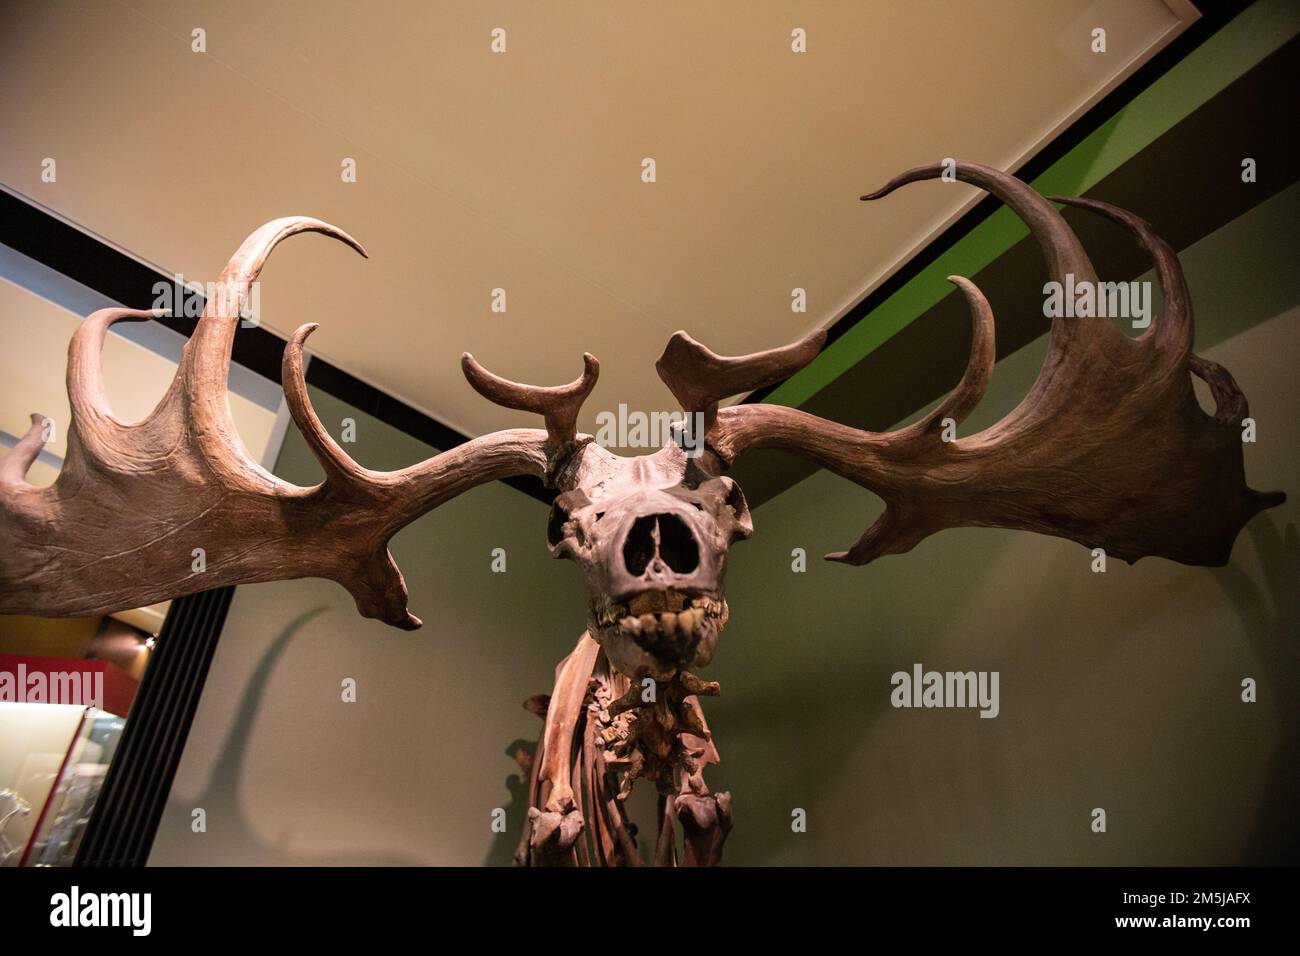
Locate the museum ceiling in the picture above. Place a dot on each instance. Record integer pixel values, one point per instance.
(478, 171)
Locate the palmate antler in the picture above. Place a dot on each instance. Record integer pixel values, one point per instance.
(1110, 447)
(120, 526)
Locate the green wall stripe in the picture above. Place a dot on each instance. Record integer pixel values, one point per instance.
(1226, 56)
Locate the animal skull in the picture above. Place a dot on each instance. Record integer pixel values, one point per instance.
(651, 535)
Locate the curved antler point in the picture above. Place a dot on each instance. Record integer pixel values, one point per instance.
(347, 238)
(301, 332)
(292, 223)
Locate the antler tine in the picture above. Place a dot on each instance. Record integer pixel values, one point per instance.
(97, 429)
(1061, 247)
(337, 464)
(205, 362)
(961, 401)
(1171, 333)
(558, 404)
(891, 533)
(700, 378)
(14, 466)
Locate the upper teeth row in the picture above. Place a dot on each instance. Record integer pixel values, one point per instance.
(706, 606)
(667, 623)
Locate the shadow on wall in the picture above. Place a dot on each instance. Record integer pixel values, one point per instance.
(1271, 614)
(220, 799)
(502, 852)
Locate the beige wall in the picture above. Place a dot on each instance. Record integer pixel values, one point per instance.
(1119, 691)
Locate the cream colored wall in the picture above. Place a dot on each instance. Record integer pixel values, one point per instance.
(1119, 691)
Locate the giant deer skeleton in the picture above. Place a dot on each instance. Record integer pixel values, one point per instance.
(1109, 449)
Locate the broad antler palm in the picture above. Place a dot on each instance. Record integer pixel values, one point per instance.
(1110, 448)
(119, 527)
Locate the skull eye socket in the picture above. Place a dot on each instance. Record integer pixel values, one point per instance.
(740, 510)
(555, 525)
(736, 500)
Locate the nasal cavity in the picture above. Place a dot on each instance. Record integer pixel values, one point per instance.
(664, 535)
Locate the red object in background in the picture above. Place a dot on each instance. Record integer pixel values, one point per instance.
(119, 687)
